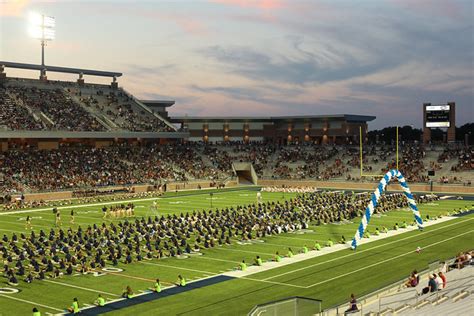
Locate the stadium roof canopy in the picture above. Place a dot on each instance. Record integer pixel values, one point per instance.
(68, 70)
(164, 103)
(347, 117)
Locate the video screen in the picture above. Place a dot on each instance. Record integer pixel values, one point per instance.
(437, 116)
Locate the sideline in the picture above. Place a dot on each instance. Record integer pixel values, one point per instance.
(34, 210)
(32, 303)
(387, 260)
(326, 250)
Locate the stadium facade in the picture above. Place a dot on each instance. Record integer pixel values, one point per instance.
(118, 116)
(318, 129)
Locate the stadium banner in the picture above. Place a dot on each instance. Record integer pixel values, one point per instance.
(375, 199)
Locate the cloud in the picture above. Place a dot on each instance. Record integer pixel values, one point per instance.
(141, 70)
(304, 68)
(254, 4)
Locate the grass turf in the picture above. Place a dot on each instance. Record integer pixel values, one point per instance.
(331, 277)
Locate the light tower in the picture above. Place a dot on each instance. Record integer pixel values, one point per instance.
(43, 28)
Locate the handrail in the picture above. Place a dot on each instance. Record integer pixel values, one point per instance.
(148, 109)
(387, 287)
(414, 296)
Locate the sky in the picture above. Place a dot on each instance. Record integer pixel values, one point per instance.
(266, 58)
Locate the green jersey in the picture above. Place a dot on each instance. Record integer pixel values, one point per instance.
(243, 266)
(317, 246)
(75, 307)
(101, 301)
(157, 287)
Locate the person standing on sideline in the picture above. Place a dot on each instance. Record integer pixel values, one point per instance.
(259, 197)
(28, 223)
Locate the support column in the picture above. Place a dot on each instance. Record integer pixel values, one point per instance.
(426, 130)
(451, 135)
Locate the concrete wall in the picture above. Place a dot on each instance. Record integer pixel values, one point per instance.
(171, 186)
(369, 186)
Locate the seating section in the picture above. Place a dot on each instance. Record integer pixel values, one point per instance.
(57, 108)
(27, 170)
(455, 299)
(69, 107)
(119, 108)
(15, 116)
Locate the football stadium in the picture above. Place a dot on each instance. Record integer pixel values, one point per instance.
(236, 158)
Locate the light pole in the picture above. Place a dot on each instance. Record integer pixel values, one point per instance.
(43, 28)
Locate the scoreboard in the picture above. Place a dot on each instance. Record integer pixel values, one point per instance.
(437, 115)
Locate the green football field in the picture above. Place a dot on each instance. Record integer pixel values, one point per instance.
(330, 277)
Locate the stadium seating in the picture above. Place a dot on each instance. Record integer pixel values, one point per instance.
(119, 109)
(449, 301)
(64, 106)
(85, 167)
(14, 115)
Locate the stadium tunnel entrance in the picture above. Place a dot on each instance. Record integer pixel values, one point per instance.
(245, 173)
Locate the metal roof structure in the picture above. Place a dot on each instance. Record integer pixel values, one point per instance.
(165, 103)
(68, 70)
(347, 117)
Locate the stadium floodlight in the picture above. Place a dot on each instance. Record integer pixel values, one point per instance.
(43, 28)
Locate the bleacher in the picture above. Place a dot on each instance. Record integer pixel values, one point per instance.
(119, 109)
(14, 115)
(456, 299)
(69, 107)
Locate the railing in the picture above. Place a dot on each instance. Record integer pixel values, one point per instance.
(146, 108)
(393, 299)
(378, 292)
(443, 292)
(346, 311)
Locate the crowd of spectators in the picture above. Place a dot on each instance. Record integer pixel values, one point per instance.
(64, 113)
(55, 100)
(84, 167)
(14, 115)
(123, 111)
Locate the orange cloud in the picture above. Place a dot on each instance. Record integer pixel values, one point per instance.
(12, 7)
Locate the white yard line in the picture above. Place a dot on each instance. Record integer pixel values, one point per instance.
(337, 247)
(387, 260)
(375, 247)
(273, 282)
(179, 268)
(32, 303)
(296, 238)
(247, 251)
(81, 288)
(215, 259)
(107, 203)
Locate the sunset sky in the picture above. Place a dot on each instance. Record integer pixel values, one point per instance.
(269, 57)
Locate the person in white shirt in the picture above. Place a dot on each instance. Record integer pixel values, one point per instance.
(440, 282)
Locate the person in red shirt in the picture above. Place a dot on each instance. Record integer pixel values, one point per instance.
(443, 277)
